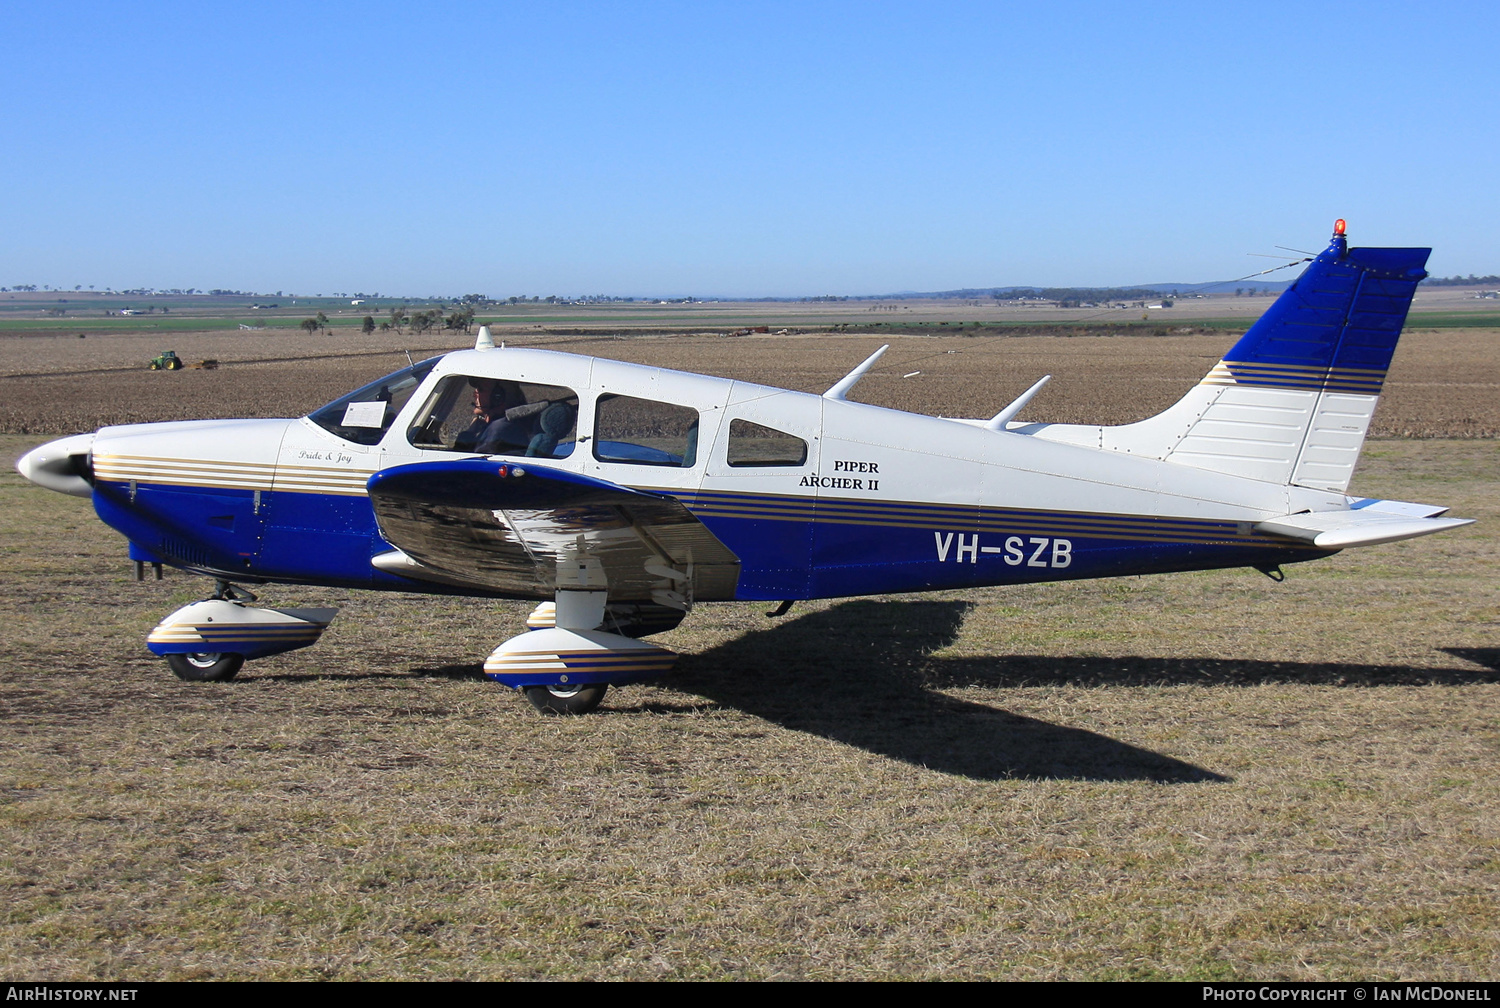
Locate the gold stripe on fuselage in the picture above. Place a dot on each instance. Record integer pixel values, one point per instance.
(218, 474)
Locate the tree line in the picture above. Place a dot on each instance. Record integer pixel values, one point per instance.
(1458, 281)
(400, 320)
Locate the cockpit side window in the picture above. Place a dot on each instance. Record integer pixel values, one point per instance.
(645, 432)
(750, 444)
(497, 416)
(363, 415)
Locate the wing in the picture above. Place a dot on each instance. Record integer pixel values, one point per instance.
(504, 528)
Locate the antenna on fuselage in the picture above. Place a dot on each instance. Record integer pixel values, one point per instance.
(484, 341)
(841, 389)
(1005, 416)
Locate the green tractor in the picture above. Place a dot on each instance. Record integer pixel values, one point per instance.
(168, 361)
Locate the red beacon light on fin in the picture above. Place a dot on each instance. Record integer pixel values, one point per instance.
(1339, 226)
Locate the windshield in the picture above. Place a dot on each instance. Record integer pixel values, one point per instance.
(363, 415)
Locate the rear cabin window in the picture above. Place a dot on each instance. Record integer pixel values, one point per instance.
(497, 416)
(645, 432)
(750, 444)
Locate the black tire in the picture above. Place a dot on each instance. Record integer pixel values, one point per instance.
(208, 666)
(174, 364)
(566, 699)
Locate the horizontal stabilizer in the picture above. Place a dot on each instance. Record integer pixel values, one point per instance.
(1365, 527)
(1406, 509)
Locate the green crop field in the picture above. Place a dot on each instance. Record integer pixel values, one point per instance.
(1453, 320)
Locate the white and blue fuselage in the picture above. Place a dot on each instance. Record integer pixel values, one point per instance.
(885, 501)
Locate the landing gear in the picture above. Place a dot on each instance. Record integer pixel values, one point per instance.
(209, 641)
(226, 592)
(566, 699)
(204, 666)
(567, 661)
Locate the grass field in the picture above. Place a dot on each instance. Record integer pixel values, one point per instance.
(1199, 776)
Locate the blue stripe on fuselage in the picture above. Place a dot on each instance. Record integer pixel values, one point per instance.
(790, 546)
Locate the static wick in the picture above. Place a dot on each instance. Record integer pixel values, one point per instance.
(911, 374)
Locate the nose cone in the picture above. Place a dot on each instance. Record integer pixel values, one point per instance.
(60, 465)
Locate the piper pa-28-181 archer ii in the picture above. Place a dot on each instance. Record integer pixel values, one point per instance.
(621, 495)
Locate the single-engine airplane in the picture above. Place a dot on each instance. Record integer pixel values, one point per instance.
(621, 495)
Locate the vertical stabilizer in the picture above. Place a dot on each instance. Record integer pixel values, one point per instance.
(1292, 401)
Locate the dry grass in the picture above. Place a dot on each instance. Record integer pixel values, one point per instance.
(1188, 776)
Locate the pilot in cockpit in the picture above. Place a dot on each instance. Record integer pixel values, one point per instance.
(506, 424)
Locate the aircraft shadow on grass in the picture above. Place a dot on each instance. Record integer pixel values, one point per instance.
(1488, 657)
(861, 673)
(864, 673)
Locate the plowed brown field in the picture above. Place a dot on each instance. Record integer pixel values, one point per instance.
(1443, 383)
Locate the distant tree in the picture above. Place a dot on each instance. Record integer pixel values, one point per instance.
(459, 320)
(322, 320)
(368, 325)
(310, 325)
(424, 320)
(1454, 281)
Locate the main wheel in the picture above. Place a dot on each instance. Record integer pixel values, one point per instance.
(205, 666)
(174, 364)
(566, 699)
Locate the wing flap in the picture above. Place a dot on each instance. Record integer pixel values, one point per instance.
(505, 528)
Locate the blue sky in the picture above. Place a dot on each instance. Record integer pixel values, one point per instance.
(735, 149)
